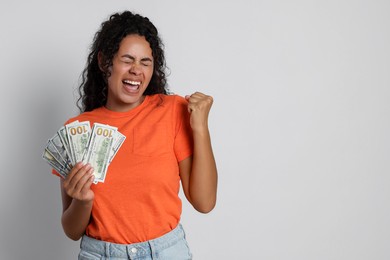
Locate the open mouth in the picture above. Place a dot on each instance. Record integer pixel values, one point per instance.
(131, 86)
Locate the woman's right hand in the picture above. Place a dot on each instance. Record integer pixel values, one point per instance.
(77, 184)
(77, 200)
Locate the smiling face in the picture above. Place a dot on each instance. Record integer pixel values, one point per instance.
(131, 71)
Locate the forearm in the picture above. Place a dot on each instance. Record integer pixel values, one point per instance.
(203, 178)
(76, 218)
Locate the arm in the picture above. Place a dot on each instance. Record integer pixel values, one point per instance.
(77, 200)
(199, 172)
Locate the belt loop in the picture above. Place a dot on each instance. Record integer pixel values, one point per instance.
(152, 250)
(107, 249)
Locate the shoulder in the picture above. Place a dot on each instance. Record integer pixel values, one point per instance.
(85, 116)
(168, 100)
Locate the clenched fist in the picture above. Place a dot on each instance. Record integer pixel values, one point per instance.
(199, 106)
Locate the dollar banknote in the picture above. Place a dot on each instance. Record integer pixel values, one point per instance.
(78, 138)
(62, 170)
(64, 140)
(60, 153)
(118, 141)
(99, 149)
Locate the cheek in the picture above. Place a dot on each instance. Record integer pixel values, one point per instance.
(116, 74)
(149, 74)
(114, 80)
(118, 70)
(111, 82)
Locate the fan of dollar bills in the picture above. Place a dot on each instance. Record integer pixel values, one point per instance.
(77, 142)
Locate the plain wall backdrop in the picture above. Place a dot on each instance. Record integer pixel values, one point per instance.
(300, 124)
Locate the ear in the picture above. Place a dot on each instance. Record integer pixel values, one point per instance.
(100, 60)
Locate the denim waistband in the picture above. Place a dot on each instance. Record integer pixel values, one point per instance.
(132, 250)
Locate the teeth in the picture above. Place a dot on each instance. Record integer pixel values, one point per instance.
(132, 82)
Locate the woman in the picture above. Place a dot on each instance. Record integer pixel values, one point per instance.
(136, 211)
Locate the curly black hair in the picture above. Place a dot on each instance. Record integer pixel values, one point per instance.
(94, 87)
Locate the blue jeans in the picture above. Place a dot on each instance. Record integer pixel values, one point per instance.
(171, 246)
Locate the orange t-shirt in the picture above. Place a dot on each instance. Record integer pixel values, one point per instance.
(138, 200)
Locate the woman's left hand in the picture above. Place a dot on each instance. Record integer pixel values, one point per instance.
(199, 106)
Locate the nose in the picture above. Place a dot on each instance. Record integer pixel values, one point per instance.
(135, 68)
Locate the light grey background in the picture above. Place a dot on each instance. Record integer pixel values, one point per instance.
(300, 123)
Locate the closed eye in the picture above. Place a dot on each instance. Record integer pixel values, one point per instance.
(128, 59)
(146, 62)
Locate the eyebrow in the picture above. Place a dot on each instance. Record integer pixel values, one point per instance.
(133, 58)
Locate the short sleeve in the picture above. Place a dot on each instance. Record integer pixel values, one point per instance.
(54, 172)
(183, 145)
